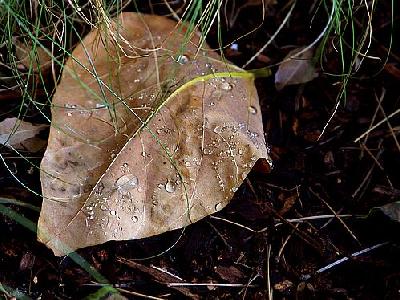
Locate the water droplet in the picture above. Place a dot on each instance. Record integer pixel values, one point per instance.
(127, 181)
(217, 129)
(170, 186)
(67, 105)
(187, 163)
(234, 189)
(143, 153)
(103, 207)
(206, 151)
(69, 114)
(113, 212)
(99, 105)
(218, 206)
(226, 86)
(136, 80)
(134, 219)
(252, 110)
(125, 168)
(182, 59)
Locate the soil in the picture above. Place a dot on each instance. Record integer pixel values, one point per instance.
(262, 243)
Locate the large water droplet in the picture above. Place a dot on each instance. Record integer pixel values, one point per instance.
(99, 105)
(217, 129)
(182, 59)
(226, 86)
(113, 213)
(252, 110)
(219, 206)
(170, 186)
(127, 182)
(134, 219)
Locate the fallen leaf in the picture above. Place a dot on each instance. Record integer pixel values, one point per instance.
(21, 135)
(154, 142)
(35, 57)
(391, 210)
(230, 274)
(295, 69)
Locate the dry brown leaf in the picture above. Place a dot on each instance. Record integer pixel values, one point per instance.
(37, 58)
(103, 177)
(295, 69)
(21, 135)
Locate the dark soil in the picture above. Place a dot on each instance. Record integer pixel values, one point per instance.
(262, 247)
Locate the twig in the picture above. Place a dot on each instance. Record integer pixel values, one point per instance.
(378, 164)
(285, 20)
(336, 215)
(268, 273)
(304, 236)
(278, 257)
(160, 276)
(318, 217)
(374, 116)
(139, 294)
(377, 125)
(211, 284)
(238, 224)
(221, 236)
(346, 258)
(379, 101)
(368, 175)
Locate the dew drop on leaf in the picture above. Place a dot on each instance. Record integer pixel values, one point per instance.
(182, 59)
(218, 206)
(170, 186)
(226, 86)
(252, 110)
(127, 181)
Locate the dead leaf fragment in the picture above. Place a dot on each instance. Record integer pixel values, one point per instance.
(157, 140)
(34, 57)
(21, 135)
(391, 210)
(295, 69)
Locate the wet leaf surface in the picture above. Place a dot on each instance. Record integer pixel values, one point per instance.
(144, 140)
